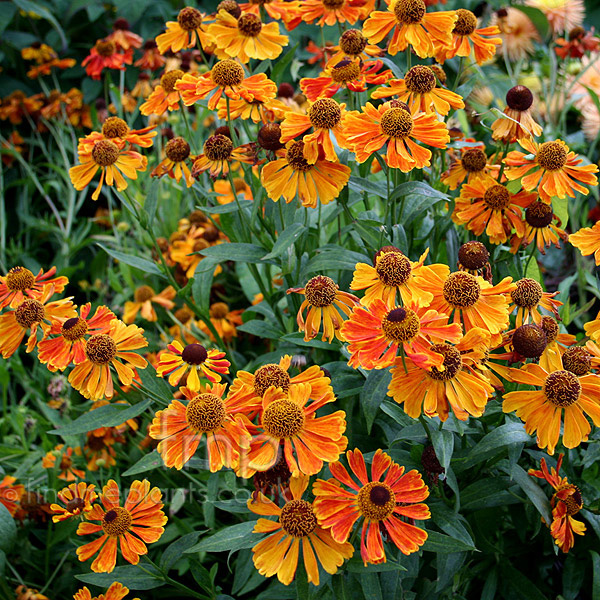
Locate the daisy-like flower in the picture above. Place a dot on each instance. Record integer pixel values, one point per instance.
(116, 591)
(466, 37)
(542, 409)
(77, 499)
(419, 90)
(330, 12)
(587, 241)
(46, 68)
(113, 163)
(375, 335)
(578, 44)
(541, 226)
(123, 37)
(278, 10)
(92, 378)
(104, 55)
(413, 25)
(25, 593)
(527, 297)
(40, 53)
(326, 303)
(196, 359)
(556, 344)
(295, 531)
(291, 175)
(563, 15)
(10, 494)
(246, 37)
(165, 96)
(20, 283)
(177, 151)
(289, 419)
(180, 428)
(16, 106)
(137, 523)
(225, 193)
(384, 502)
(264, 107)
(566, 502)
(151, 59)
(474, 257)
(183, 33)
(219, 155)
(368, 131)
(592, 329)
(67, 471)
(30, 314)
(551, 169)
(488, 206)
(353, 44)
(518, 122)
(517, 32)
(69, 345)
(117, 131)
(325, 116)
(224, 320)
(473, 165)
(144, 296)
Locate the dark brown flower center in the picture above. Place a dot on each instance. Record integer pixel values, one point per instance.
(325, 114)
(529, 340)
(574, 502)
(539, 214)
(562, 388)
(177, 149)
(105, 48)
(295, 157)
(577, 360)
(76, 504)
(218, 147)
(283, 419)
(205, 412)
(29, 312)
(474, 160)
(466, 23)
(269, 135)
(452, 362)
(497, 197)
(100, 349)
(19, 279)
(297, 518)
(114, 127)
(227, 73)
(376, 501)
(461, 289)
(409, 12)
(189, 18)
(143, 293)
(346, 70)
(420, 79)
(473, 256)
(333, 4)
(401, 325)
(528, 293)
(519, 98)
(230, 6)
(194, 354)
(321, 291)
(116, 521)
(218, 310)
(74, 329)
(105, 153)
(396, 123)
(169, 79)
(352, 42)
(393, 268)
(552, 156)
(249, 25)
(550, 327)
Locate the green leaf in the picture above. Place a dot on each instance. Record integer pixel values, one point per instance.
(450, 522)
(533, 491)
(356, 565)
(520, 585)
(236, 251)
(287, 238)
(596, 572)
(131, 576)
(443, 444)
(202, 285)
(260, 328)
(8, 529)
(332, 258)
(133, 261)
(282, 63)
(110, 415)
(560, 206)
(156, 385)
(174, 551)
(486, 493)
(8, 12)
(146, 463)
(235, 537)
(439, 542)
(151, 201)
(374, 392)
(226, 208)
(358, 184)
(298, 339)
(44, 13)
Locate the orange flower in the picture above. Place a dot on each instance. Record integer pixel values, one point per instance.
(384, 505)
(104, 55)
(279, 10)
(542, 226)
(40, 53)
(194, 358)
(20, 283)
(137, 523)
(144, 296)
(517, 32)
(93, 378)
(10, 494)
(177, 151)
(563, 15)
(541, 410)
(123, 37)
(288, 419)
(77, 498)
(527, 297)
(183, 33)
(550, 168)
(165, 95)
(518, 122)
(30, 314)
(225, 321)
(566, 502)
(413, 25)
(473, 165)
(292, 175)
(151, 58)
(295, 529)
(330, 12)
(116, 591)
(67, 471)
(368, 131)
(219, 155)
(587, 241)
(325, 302)
(325, 117)
(180, 428)
(117, 131)
(16, 106)
(418, 89)
(592, 329)
(46, 68)
(375, 335)
(579, 43)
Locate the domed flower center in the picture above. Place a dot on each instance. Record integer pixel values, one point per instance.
(333, 4)
(201, 244)
(325, 114)
(320, 291)
(279, 474)
(346, 70)
(205, 412)
(550, 327)
(19, 279)
(218, 147)
(466, 23)
(376, 501)
(143, 293)
(116, 521)
(539, 214)
(461, 289)
(527, 294)
(420, 79)
(169, 79)
(297, 518)
(473, 256)
(114, 127)
(452, 362)
(497, 197)
(562, 388)
(576, 33)
(574, 502)
(439, 73)
(393, 268)
(177, 149)
(227, 73)
(269, 135)
(105, 48)
(183, 315)
(105, 153)
(577, 360)
(396, 123)
(76, 504)
(249, 25)
(65, 463)
(29, 312)
(552, 156)
(218, 310)
(74, 329)
(230, 6)
(529, 340)
(409, 12)
(474, 160)
(401, 325)
(285, 90)
(194, 354)
(270, 375)
(189, 18)
(352, 42)
(295, 157)
(283, 419)
(100, 349)
(519, 98)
